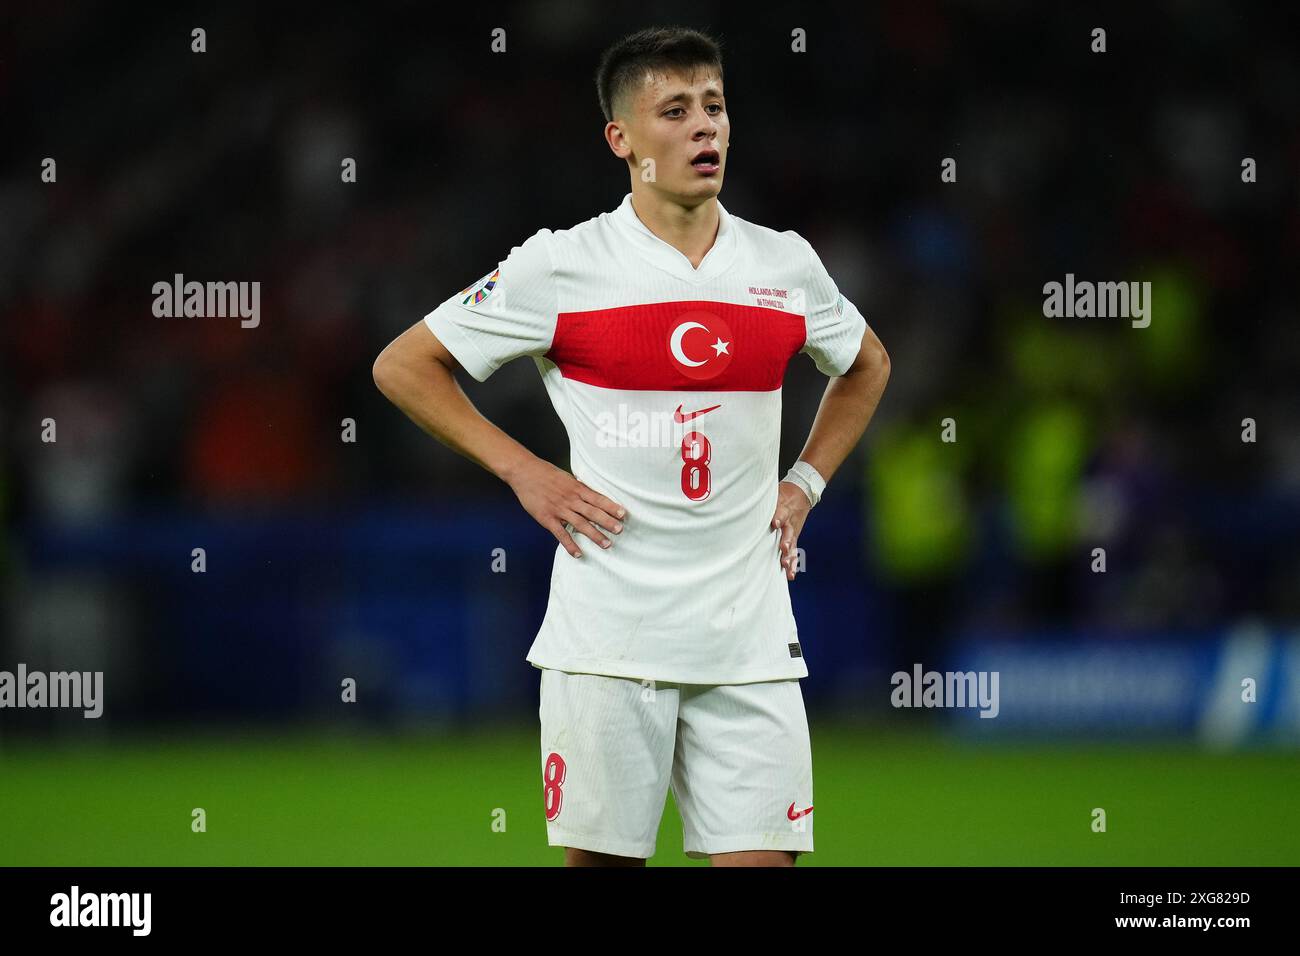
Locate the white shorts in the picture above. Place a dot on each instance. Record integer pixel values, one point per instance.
(737, 756)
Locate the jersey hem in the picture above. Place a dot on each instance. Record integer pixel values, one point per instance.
(634, 671)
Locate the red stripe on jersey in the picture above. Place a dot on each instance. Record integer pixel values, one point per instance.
(678, 346)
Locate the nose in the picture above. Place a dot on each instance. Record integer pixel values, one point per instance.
(706, 126)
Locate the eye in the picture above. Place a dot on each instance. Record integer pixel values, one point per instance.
(716, 108)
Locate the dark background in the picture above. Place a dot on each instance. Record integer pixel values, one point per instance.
(372, 559)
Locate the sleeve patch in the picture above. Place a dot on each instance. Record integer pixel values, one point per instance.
(473, 294)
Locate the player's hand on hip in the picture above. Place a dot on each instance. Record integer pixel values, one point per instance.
(563, 505)
(792, 507)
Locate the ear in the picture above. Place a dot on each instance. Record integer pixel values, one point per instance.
(616, 137)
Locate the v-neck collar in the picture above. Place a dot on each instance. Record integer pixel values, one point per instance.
(671, 259)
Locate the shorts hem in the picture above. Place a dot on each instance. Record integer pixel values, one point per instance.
(600, 844)
(703, 849)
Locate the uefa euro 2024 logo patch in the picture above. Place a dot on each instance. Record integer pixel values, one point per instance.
(480, 290)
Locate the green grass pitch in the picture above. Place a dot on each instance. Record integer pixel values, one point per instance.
(424, 800)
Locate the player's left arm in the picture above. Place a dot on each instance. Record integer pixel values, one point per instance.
(846, 408)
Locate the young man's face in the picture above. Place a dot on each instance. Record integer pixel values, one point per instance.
(673, 119)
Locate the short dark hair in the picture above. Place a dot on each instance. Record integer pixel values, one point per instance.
(657, 49)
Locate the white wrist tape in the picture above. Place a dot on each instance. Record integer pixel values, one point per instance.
(807, 478)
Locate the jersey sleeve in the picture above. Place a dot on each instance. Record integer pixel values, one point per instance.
(833, 325)
(508, 313)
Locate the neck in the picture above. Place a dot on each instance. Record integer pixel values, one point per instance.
(691, 230)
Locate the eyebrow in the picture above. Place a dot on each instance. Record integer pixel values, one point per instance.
(710, 93)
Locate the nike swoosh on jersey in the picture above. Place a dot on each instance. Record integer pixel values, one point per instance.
(795, 816)
(679, 418)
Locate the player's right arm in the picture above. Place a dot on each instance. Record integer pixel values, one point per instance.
(416, 373)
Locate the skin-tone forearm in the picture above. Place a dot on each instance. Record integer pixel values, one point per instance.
(417, 374)
(432, 398)
(846, 408)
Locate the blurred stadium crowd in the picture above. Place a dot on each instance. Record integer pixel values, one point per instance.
(1072, 434)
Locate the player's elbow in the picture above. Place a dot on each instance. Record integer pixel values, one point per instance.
(872, 355)
(874, 359)
(881, 362)
(383, 372)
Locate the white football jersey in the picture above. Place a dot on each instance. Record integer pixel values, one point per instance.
(668, 381)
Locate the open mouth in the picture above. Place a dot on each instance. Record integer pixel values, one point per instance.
(706, 161)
